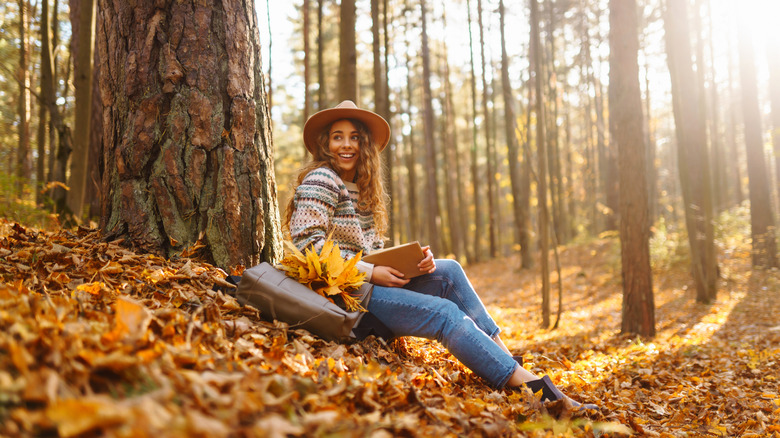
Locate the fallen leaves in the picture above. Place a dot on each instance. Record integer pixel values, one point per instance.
(98, 340)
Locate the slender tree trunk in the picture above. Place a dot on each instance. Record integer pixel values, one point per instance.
(526, 237)
(510, 127)
(734, 156)
(306, 63)
(773, 60)
(693, 161)
(626, 102)
(348, 87)
(491, 171)
(719, 191)
(23, 167)
(450, 146)
(321, 84)
(432, 214)
(82, 74)
(380, 106)
(415, 227)
(188, 152)
(762, 224)
(541, 183)
(475, 179)
(47, 86)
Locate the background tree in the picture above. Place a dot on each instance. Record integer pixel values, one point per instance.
(23, 148)
(82, 74)
(432, 213)
(541, 168)
(762, 224)
(626, 109)
(348, 86)
(692, 152)
(187, 141)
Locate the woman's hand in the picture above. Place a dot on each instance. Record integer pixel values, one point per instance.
(427, 265)
(387, 276)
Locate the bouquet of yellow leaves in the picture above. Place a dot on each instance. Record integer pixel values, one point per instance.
(326, 273)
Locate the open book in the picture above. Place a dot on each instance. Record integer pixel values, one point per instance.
(402, 257)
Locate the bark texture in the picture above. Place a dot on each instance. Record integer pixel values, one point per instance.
(187, 146)
(638, 303)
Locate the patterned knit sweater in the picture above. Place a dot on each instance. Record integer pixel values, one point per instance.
(323, 204)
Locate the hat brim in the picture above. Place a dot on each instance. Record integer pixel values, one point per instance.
(380, 129)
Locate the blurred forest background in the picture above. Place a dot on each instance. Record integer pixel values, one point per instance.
(507, 117)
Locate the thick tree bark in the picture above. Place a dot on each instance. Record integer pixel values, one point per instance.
(348, 87)
(187, 146)
(432, 213)
(626, 102)
(692, 153)
(762, 224)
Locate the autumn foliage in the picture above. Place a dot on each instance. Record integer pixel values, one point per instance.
(96, 339)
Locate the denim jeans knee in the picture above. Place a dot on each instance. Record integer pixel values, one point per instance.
(443, 306)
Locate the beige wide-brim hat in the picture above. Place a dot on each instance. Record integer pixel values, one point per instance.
(380, 129)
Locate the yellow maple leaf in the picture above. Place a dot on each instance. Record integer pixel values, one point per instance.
(326, 273)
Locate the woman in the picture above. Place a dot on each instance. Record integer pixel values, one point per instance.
(340, 194)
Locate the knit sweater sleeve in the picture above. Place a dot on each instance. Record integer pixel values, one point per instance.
(314, 204)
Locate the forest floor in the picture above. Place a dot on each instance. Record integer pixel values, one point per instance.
(97, 340)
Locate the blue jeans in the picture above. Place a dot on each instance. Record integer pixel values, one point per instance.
(444, 306)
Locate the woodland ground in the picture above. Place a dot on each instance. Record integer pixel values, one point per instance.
(96, 340)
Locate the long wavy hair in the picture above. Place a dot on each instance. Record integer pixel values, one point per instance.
(369, 176)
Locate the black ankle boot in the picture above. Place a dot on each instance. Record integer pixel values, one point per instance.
(518, 359)
(551, 393)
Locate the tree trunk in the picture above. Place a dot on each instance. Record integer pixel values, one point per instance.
(415, 227)
(379, 107)
(510, 129)
(693, 161)
(348, 87)
(626, 102)
(491, 171)
(306, 64)
(321, 85)
(432, 214)
(541, 183)
(735, 177)
(475, 179)
(82, 75)
(187, 146)
(47, 87)
(762, 224)
(23, 167)
(92, 196)
(773, 60)
(451, 172)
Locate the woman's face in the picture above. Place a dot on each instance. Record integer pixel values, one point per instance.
(343, 142)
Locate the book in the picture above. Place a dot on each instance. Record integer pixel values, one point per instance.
(402, 257)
